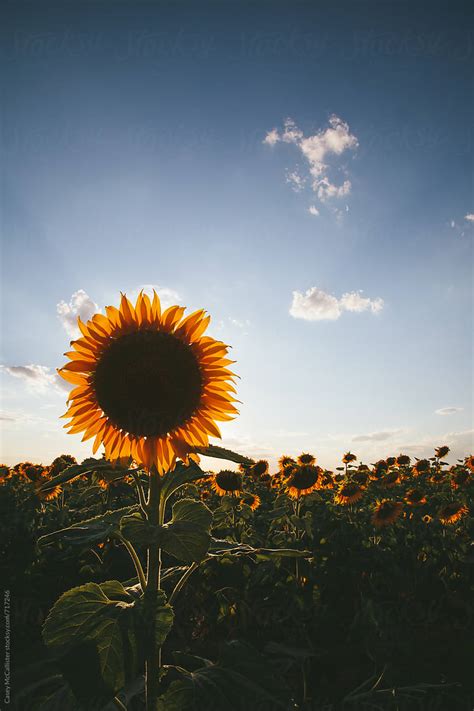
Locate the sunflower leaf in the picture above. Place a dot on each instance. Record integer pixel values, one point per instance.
(93, 530)
(181, 475)
(222, 453)
(92, 630)
(187, 536)
(88, 465)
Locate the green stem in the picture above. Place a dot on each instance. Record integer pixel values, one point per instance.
(152, 663)
(182, 581)
(140, 492)
(119, 704)
(135, 559)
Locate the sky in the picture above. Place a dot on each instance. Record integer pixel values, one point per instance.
(303, 171)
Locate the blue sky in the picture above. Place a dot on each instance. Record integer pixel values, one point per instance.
(151, 144)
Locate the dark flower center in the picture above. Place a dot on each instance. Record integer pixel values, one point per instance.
(304, 477)
(148, 383)
(229, 480)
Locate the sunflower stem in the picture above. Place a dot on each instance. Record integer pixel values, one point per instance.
(155, 512)
(182, 581)
(140, 492)
(135, 559)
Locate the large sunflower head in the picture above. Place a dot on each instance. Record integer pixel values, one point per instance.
(348, 493)
(227, 482)
(452, 512)
(386, 512)
(149, 384)
(302, 480)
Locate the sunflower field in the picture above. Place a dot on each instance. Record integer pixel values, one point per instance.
(300, 588)
(142, 581)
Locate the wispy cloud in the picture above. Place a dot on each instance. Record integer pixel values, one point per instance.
(381, 436)
(469, 217)
(81, 305)
(38, 378)
(313, 210)
(317, 305)
(318, 150)
(448, 410)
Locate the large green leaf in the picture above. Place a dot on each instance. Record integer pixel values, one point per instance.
(93, 530)
(86, 467)
(187, 535)
(181, 475)
(92, 628)
(242, 679)
(222, 453)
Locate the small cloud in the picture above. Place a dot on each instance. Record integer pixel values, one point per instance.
(376, 436)
(296, 181)
(38, 378)
(81, 305)
(448, 410)
(316, 305)
(469, 217)
(453, 224)
(313, 210)
(272, 137)
(318, 149)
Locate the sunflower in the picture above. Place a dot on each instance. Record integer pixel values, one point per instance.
(360, 476)
(306, 458)
(348, 458)
(33, 472)
(460, 477)
(348, 493)
(379, 469)
(386, 512)
(421, 466)
(391, 478)
(452, 512)
(469, 461)
(441, 452)
(427, 518)
(391, 461)
(415, 497)
(251, 500)
(148, 384)
(61, 463)
(259, 468)
(286, 461)
(403, 460)
(227, 482)
(326, 481)
(302, 480)
(4, 473)
(50, 494)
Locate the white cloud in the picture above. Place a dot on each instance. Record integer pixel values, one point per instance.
(81, 305)
(272, 137)
(376, 436)
(313, 210)
(38, 378)
(448, 410)
(317, 305)
(296, 181)
(469, 217)
(317, 150)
